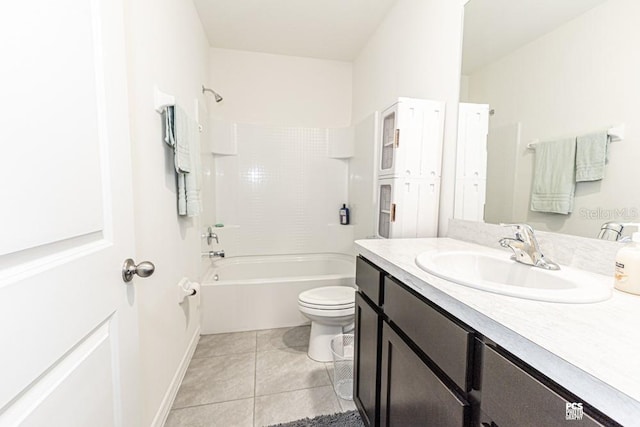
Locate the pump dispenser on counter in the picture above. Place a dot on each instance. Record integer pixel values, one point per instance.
(627, 273)
(344, 214)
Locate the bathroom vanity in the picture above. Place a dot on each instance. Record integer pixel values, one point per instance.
(431, 352)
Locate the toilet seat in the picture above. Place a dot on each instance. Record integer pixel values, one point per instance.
(327, 307)
(328, 297)
(327, 314)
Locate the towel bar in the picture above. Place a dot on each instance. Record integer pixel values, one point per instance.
(616, 133)
(162, 100)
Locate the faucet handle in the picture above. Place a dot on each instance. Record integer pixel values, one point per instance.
(516, 226)
(523, 232)
(519, 227)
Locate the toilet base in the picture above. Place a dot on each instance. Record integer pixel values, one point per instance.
(320, 341)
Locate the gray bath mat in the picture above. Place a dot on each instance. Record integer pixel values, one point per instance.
(344, 419)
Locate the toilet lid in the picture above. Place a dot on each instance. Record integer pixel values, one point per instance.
(329, 296)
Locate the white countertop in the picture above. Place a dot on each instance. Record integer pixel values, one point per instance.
(593, 350)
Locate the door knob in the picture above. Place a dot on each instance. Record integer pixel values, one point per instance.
(129, 268)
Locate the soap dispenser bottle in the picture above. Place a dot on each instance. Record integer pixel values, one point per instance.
(344, 214)
(627, 274)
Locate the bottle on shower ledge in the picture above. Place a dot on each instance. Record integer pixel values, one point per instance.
(344, 214)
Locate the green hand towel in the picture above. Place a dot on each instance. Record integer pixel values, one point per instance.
(591, 156)
(554, 178)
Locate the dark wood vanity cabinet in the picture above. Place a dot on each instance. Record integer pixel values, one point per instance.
(395, 382)
(417, 365)
(368, 332)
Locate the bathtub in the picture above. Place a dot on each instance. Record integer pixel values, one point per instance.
(261, 292)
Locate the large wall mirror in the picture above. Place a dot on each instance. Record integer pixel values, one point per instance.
(548, 70)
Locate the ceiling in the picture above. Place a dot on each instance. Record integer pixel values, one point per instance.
(326, 29)
(494, 28)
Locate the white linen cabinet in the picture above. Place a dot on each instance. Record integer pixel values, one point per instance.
(409, 165)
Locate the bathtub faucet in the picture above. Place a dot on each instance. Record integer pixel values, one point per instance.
(210, 236)
(214, 254)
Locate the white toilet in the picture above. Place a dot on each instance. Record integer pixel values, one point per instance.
(331, 310)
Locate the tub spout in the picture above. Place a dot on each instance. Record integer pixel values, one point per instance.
(214, 254)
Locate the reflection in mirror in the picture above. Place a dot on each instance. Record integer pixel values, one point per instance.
(552, 70)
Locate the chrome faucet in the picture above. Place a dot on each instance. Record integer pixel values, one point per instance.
(214, 254)
(613, 231)
(210, 236)
(525, 247)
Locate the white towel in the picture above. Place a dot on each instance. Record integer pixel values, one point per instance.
(554, 176)
(591, 156)
(192, 179)
(169, 116)
(182, 140)
(183, 135)
(182, 193)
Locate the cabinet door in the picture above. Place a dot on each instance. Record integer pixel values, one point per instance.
(444, 341)
(411, 393)
(366, 393)
(388, 142)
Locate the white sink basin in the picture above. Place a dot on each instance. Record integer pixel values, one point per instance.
(499, 274)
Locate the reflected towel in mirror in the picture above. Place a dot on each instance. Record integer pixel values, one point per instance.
(554, 176)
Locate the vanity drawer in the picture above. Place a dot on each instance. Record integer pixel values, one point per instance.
(512, 397)
(369, 280)
(448, 344)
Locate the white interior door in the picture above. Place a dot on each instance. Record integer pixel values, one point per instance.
(68, 322)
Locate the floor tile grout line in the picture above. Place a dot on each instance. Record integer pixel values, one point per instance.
(211, 403)
(222, 355)
(297, 389)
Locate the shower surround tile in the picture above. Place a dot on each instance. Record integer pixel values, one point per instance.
(282, 191)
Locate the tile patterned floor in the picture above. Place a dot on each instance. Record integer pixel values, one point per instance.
(254, 379)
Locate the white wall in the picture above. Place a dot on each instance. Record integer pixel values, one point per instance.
(167, 47)
(280, 193)
(415, 52)
(582, 77)
(262, 88)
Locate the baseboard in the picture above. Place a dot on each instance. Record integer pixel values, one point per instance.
(172, 391)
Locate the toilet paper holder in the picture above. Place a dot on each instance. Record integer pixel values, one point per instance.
(187, 288)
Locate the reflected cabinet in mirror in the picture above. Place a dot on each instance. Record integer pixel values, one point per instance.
(551, 74)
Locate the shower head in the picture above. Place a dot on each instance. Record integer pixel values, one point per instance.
(216, 95)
